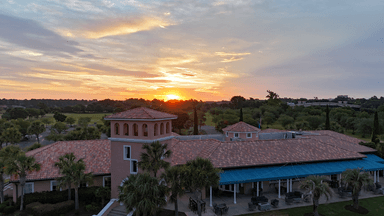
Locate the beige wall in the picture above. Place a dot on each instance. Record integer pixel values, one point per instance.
(120, 168)
(255, 136)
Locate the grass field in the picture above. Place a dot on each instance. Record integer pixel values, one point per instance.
(374, 205)
(95, 117)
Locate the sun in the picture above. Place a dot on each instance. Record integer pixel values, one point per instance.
(172, 97)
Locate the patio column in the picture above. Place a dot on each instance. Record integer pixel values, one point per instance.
(378, 175)
(340, 181)
(374, 176)
(257, 188)
(290, 185)
(210, 196)
(287, 185)
(262, 185)
(279, 188)
(234, 193)
(253, 184)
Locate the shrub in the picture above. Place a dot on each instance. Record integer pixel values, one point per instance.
(2, 206)
(92, 207)
(34, 146)
(9, 209)
(86, 196)
(38, 209)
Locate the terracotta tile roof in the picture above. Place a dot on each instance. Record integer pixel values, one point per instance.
(96, 154)
(141, 113)
(185, 150)
(342, 143)
(259, 152)
(339, 136)
(241, 127)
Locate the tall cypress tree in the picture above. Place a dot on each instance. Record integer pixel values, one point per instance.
(376, 129)
(195, 122)
(241, 114)
(327, 125)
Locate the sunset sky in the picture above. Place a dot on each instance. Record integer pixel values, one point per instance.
(206, 50)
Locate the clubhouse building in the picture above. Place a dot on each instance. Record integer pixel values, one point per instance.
(249, 157)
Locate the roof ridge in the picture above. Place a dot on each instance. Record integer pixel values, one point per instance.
(219, 144)
(146, 111)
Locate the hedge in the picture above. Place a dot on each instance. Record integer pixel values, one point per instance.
(86, 196)
(38, 209)
(2, 207)
(9, 209)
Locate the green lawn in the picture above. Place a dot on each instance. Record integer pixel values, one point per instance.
(95, 117)
(358, 136)
(374, 205)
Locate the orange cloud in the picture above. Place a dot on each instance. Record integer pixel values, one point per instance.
(123, 27)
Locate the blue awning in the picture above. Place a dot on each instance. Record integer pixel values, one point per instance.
(289, 171)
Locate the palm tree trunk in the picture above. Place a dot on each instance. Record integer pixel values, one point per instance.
(22, 197)
(315, 206)
(176, 208)
(2, 188)
(69, 191)
(355, 199)
(76, 198)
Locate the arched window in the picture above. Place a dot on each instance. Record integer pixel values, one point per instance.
(126, 129)
(167, 128)
(145, 130)
(135, 130)
(155, 131)
(117, 129)
(161, 129)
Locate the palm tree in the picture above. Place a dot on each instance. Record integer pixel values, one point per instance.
(201, 173)
(6, 154)
(176, 177)
(318, 188)
(152, 159)
(356, 179)
(75, 172)
(64, 164)
(20, 166)
(103, 193)
(144, 194)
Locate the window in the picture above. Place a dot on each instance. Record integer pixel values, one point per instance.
(145, 130)
(236, 135)
(107, 181)
(167, 128)
(134, 167)
(161, 129)
(249, 135)
(126, 129)
(54, 186)
(29, 187)
(117, 128)
(155, 131)
(127, 152)
(135, 130)
(226, 134)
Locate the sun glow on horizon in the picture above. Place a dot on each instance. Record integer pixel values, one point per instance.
(172, 97)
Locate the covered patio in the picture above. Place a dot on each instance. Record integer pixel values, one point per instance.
(289, 173)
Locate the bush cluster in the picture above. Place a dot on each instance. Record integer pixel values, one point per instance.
(38, 209)
(86, 196)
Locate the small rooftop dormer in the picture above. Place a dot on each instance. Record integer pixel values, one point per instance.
(141, 124)
(241, 131)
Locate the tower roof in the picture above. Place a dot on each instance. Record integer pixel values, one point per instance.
(141, 113)
(241, 127)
